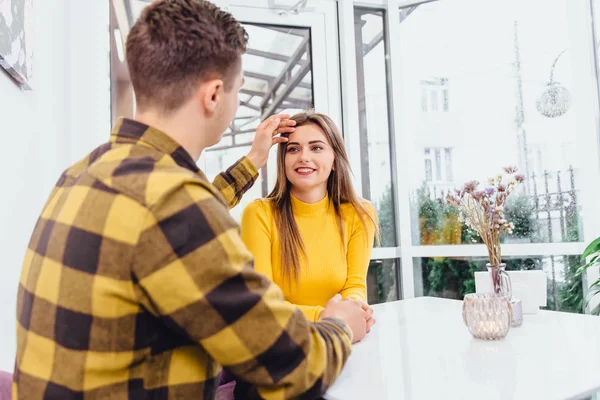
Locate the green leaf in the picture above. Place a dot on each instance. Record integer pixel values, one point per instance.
(591, 296)
(592, 248)
(590, 264)
(593, 291)
(595, 284)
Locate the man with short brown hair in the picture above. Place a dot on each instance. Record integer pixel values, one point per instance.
(177, 44)
(136, 284)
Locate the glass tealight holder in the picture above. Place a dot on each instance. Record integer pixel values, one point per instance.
(487, 315)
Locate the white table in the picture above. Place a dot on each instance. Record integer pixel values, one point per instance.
(421, 349)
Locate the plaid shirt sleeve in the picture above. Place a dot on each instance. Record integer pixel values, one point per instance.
(234, 182)
(196, 274)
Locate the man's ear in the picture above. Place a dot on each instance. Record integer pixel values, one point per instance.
(209, 94)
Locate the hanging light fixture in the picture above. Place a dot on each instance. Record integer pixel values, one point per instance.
(556, 99)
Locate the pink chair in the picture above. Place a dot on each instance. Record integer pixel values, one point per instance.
(224, 392)
(6, 385)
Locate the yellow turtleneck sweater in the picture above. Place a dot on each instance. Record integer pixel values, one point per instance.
(332, 267)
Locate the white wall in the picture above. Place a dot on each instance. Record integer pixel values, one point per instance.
(65, 116)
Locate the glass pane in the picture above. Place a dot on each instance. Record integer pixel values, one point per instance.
(371, 69)
(512, 88)
(434, 100)
(596, 24)
(121, 91)
(278, 77)
(448, 163)
(260, 64)
(288, 39)
(438, 165)
(137, 6)
(454, 277)
(428, 171)
(271, 86)
(382, 284)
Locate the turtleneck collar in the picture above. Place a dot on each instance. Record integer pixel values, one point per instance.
(301, 208)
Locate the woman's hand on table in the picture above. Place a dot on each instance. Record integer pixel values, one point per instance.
(368, 315)
(368, 312)
(349, 311)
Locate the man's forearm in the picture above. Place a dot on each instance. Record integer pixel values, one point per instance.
(236, 180)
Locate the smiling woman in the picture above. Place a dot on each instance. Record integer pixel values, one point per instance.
(312, 235)
(309, 162)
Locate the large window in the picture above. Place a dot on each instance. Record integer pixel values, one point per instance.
(509, 87)
(436, 93)
(372, 63)
(371, 70)
(466, 96)
(513, 89)
(595, 4)
(278, 78)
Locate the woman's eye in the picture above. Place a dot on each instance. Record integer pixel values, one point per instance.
(292, 149)
(317, 148)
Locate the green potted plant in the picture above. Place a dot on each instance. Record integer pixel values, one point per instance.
(592, 251)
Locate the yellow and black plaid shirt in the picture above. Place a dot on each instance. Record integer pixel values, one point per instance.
(136, 285)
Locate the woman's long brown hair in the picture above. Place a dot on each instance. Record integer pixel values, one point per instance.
(339, 189)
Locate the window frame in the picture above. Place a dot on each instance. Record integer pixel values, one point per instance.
(401, 170)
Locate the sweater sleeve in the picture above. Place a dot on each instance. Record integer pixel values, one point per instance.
(360, 245)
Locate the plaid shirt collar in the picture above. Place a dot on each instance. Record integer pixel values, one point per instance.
(130, 131)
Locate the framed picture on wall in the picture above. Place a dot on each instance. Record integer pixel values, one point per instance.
(16, 47)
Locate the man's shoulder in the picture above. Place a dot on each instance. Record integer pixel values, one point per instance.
(141, 172)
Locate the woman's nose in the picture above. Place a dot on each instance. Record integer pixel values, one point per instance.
(304, 156)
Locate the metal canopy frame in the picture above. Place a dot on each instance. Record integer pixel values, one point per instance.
(278, 92)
